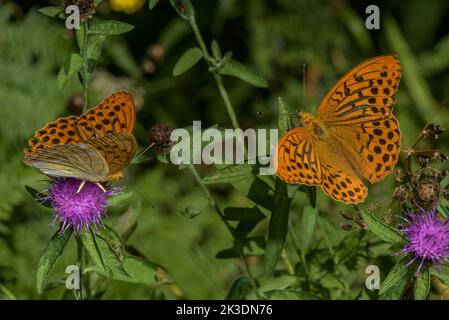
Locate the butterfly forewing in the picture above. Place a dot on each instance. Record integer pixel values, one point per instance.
(366, 93)
(114, 114)
(297, 159)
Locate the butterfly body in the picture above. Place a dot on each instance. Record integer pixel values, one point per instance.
(94, 147)
(354, 135)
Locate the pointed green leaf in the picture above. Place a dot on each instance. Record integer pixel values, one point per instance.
(53, 12)
(50, 256)
(240, 288)
(422, 284)
(184, 8)
(307, 226)
(35, 194)
(216, 51)
(278, 227)
(394, 285)
(152, 4)
(236, 69)
(442, 274)
(69, 69)
(229, 174)
(382, 230)
(110, 27)
(190, 58)
(94, 46)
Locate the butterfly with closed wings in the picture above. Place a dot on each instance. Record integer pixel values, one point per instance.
(94, 147)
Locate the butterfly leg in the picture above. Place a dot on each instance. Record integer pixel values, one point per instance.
(81, 186)
(100, 186)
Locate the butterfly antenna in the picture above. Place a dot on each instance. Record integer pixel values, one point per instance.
(146, 149)
(303, 87)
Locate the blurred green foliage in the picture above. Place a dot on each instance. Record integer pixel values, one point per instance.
(275, 38)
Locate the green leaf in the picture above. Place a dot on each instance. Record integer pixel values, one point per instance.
(243, 214)
(90, 243)
(443, 274)
(382, 230)
(256, 190)
(53, 12)
(307, 226)
(35, 194)
(195, 208)
(80, 37)
(291, 295)
(105, 252)
(240, 288)
(190, 58)
(229, 174)
(135, 270)
(69, 69)
(121, 198)
(50, 256)
(184, 8)
(110, 27)
(216, 51)
(94, 46)
(394, 285)
(239, 70)
(253, 246)
(278, 227)
(422, 285)
(152, 4)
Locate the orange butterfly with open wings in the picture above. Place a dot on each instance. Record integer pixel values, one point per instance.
(353, 136)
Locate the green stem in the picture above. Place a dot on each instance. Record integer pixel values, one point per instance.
(80, 250)
(85, 67)
(217, 76)
(226, 222)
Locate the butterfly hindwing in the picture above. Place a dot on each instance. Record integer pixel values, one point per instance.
(297, 158)
(374, 146)
(80, 161)
(118, 149)
(343, 186)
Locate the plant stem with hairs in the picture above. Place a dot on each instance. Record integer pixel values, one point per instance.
(212, 67)
(85, 66)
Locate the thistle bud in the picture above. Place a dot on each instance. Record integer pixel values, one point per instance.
(160, 138)
(86, 7)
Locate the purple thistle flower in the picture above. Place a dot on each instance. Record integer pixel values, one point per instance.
(78, 209)
(428, 238)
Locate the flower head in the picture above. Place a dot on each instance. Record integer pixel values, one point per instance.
(127, 6)
(428, 238)
(78, 207)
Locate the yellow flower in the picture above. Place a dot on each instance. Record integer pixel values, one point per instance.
(127, 6)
